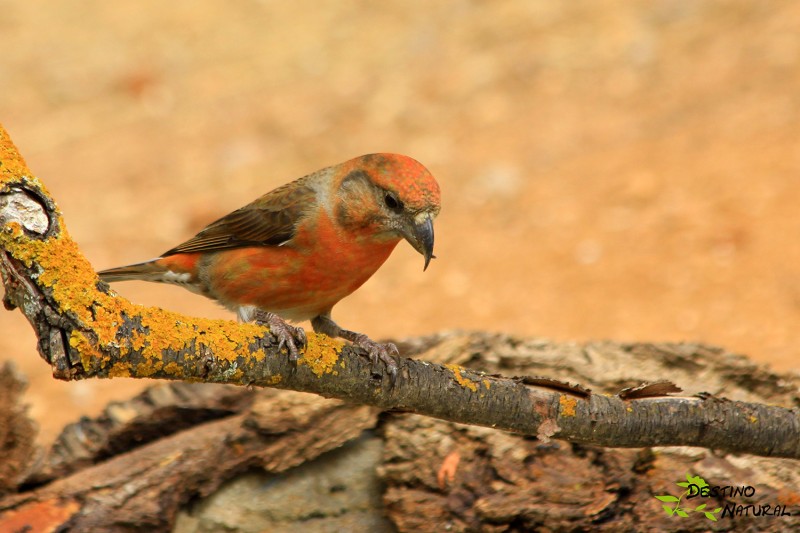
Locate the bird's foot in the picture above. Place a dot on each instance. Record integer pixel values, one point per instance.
(387, 353)
(292, 337)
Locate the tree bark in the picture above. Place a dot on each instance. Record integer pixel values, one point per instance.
(200, 457)
(134, 467)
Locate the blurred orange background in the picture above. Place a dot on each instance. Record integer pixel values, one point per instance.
(620, 170)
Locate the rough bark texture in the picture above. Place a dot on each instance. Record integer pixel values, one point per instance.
(202, 457)
(142, 488)
(17, 431)
(442, 476)
(509, 482)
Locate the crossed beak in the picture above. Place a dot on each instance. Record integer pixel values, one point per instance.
(420, 236)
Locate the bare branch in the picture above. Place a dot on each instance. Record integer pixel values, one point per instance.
(85, 331)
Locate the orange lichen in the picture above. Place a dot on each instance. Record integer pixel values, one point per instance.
(226, 339)
(568, 405)
(274, 380)
(137, 340)
(172, 368)
(71, 280)
(48, 515)
(145, 370)
(63, 267)
(458, 374)
(120, 370)
(85, 348)
(322, 354)
(69, 276)
(12, 165)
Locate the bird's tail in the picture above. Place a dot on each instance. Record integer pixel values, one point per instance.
(147, 271)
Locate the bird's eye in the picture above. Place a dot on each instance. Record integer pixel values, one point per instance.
(392, 202)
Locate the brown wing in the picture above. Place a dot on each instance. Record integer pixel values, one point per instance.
(269, 221)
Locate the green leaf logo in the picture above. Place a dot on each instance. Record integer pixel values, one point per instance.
(696, 483)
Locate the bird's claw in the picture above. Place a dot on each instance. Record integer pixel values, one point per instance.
(291, 337)
(384, 352)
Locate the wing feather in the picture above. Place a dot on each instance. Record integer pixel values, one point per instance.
(269, 221)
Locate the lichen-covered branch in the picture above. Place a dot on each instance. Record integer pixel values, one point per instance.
(85, 330)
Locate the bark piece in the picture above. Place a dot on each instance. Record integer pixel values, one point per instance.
(157, 412)
(337, 491)
(17, 431)
(511, 482)
(142, 490)
(507, 482)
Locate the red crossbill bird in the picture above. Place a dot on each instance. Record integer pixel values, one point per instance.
(293, 253)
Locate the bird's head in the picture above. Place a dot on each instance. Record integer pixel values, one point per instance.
(392, 196)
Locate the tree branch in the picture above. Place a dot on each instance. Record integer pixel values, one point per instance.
(86, 330)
